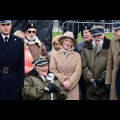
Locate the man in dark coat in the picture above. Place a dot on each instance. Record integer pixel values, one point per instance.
(118, 83)
(11, 62)
(71, 25)
(87, 38)
(75, 26)
(94, 63)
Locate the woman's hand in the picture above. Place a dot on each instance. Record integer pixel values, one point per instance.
(66, 85)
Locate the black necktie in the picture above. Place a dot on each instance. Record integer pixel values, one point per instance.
(6, 39)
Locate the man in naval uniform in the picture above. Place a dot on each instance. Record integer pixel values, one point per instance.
(11, 62)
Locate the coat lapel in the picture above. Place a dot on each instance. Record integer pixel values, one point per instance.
(11, 44)
(65, 61)
(70, 57)
(117, 45)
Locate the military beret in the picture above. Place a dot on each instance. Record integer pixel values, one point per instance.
(30, 25)
(96, 30)
(5, 21)
(116, 26)
(40, 60)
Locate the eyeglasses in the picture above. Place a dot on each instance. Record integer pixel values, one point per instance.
(31, 31)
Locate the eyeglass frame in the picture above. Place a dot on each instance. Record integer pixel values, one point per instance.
(29, 31)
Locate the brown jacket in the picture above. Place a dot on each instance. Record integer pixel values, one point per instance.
(112, 66)
(36, 50)
(69, 68)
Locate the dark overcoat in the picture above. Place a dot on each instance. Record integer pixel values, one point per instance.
(117, 84)
(94, 64)
(12, 56)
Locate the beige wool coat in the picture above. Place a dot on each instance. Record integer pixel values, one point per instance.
(112, 66)
(69, 68)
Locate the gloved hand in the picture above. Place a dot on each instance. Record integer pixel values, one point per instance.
(52, 88)
(108, 88)
(100, 81)
(95, 88)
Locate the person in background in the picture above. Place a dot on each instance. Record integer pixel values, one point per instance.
(28, 57)
(37, 85)
(71, 25)
(66, 65)
(55, 43)
(36, 47)
(87, 38)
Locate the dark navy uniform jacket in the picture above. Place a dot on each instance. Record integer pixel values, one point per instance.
(11, 55)
(117, 84)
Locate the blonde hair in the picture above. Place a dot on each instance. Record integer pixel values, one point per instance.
(55, 39)
(18, 33)
(61, 43)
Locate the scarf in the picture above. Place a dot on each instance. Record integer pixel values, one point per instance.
(67, 52)
(36, 40)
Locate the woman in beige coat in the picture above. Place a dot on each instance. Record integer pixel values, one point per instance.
(113, 62)
(66, 65)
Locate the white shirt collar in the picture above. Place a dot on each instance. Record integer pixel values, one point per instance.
(5, 36)
(43, 77)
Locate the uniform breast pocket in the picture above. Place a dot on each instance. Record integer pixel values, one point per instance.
(104, 53)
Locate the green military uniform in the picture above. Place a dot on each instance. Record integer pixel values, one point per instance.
(94, 66)
(34, 88)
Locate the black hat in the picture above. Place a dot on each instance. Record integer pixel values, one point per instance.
(5, 21)
(30, 25)
(40, 60)
(87, 27)
(116, 26)
(96, 30)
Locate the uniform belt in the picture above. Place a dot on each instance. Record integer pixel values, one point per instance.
(67, 73)
(8, 70)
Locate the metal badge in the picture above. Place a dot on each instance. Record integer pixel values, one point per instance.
(31, 25)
